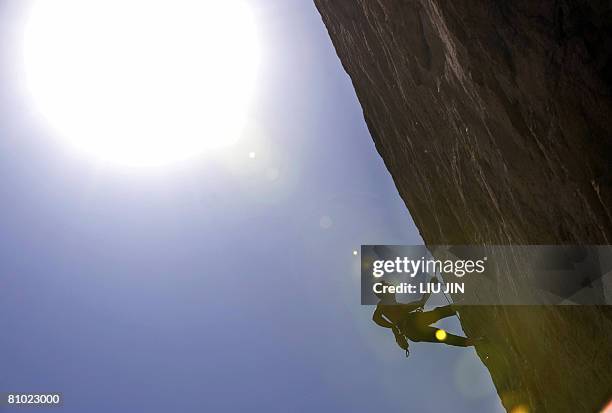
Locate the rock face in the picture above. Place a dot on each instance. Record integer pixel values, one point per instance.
(495, 120)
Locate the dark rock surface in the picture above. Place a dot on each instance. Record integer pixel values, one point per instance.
(495, 120)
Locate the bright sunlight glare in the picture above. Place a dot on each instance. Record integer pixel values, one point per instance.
(141, 82)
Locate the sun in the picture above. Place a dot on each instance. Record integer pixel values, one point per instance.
(141, 82)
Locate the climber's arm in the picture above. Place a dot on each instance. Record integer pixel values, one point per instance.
(415, 305)
(379, 319)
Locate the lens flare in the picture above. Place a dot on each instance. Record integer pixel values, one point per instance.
(440, 335)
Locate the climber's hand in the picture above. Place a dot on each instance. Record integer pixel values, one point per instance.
(401, 341)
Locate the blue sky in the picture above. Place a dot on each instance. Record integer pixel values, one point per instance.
(220, 285)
